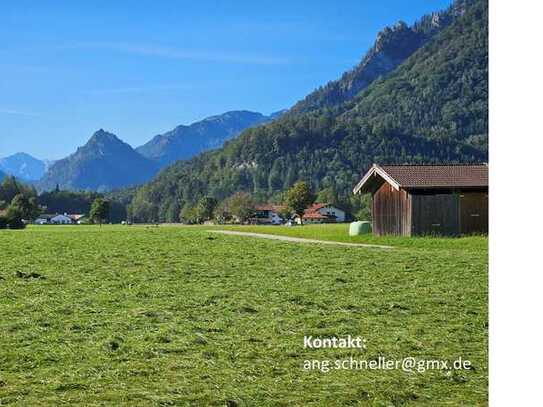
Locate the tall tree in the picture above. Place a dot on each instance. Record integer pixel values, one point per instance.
(26, 206)
(189, 215)
(299, 197)
(8, 189)
(205, 208)
(222, 213)
(99, 211)
(241, 205)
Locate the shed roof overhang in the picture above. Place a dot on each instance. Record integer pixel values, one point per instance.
(373, 179)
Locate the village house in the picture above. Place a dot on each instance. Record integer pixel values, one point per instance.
(44, 219)
(322, 213)
(268, 215)
(412, 200)
(59, 219)
(78, 219)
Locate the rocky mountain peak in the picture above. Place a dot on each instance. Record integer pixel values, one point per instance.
(398, 34)
(104, 136)
(105, 162)
(393, 45)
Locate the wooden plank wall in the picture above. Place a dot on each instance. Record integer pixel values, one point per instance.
(391, 211)
(419, 213)
(473, 212)
(435, 214)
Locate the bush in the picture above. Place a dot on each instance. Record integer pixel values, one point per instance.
(14, 218)
(3, 222)
(16, 223)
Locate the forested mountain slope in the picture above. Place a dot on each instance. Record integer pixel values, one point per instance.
(432, 108)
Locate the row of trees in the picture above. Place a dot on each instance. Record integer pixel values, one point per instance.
(241, 206)
(20, 203)
(80, 202)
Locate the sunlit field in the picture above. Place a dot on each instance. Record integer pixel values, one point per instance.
(140, 315)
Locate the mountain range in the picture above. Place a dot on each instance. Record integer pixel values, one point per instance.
(185, 142)
(420, 95)
(105, 162)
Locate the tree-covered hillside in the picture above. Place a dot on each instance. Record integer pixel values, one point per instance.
(432, 108)
(441, 93)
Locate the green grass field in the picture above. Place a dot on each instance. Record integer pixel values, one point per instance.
(180, 316)
(340, 233)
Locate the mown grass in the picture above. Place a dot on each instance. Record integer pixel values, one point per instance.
(339, 232)
(180, 316)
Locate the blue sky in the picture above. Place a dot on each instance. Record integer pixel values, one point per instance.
(68, 68)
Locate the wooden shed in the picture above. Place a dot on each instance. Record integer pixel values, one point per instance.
(411, 200)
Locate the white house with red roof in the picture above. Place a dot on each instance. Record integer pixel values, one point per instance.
(322, 213)
(268, 214)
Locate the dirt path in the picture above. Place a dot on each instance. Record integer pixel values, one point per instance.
(297, 239)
